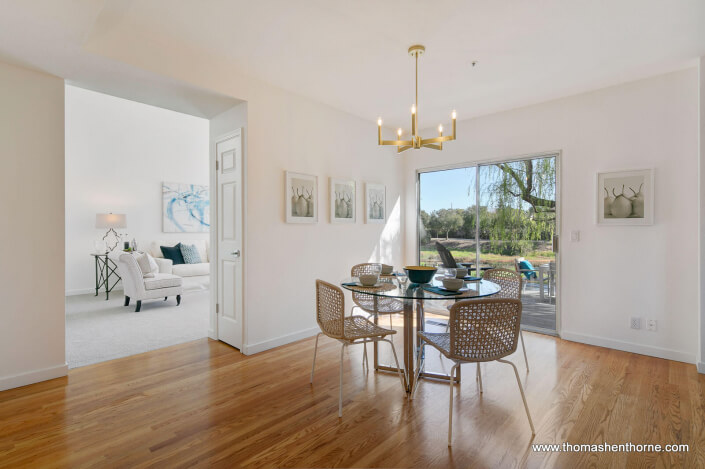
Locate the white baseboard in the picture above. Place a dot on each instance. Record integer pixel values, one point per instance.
(251, 349)
(211, 334)
(701, 367)
(31, 377)
(641, 349)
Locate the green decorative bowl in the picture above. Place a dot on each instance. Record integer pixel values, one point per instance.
(420, 274)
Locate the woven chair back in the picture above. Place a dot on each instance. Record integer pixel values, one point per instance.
(330, 309)
(508, 280)
(484, 330)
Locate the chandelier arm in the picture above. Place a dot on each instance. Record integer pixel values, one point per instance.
(403, 148)
(433, 146)
(397, 143)
(446, 138)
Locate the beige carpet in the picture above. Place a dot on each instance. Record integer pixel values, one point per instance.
(98, 330)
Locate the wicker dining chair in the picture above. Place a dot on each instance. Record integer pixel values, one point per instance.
(511, 284)
(348, 330)
(365, 302)
(481, 330)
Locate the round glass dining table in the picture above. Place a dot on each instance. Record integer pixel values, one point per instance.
(414, 294)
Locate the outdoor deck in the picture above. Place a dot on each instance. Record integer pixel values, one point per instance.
(537, 315)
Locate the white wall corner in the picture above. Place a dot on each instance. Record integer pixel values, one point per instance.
(701, 212)
(251, 349)
(34, 376)
(658, 352)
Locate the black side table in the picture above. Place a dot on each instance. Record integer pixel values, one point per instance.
(105, 270)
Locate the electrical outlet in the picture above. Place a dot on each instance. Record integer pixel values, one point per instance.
(651, 325)
(635, 323)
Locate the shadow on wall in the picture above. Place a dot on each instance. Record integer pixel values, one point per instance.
(388, 246)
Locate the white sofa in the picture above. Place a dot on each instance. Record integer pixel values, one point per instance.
(196, 276)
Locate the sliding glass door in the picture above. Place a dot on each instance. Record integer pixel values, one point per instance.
(494, 215)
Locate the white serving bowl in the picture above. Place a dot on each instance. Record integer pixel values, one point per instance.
(368, 280)
(453, 284)
(461, 272)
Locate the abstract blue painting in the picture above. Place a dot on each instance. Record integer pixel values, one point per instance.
(186, 208)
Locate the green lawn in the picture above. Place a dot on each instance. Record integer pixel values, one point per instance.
(429, 256)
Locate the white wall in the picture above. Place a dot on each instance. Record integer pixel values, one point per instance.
(701, 180)
(118, 153)
(613, 272)
(288, 132)
(32, 230)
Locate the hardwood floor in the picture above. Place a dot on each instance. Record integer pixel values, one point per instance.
(204, 404)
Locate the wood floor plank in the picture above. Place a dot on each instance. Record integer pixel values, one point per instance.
(203, 404)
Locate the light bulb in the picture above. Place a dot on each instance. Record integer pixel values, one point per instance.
(453, 114)
(399, 132)
(379, 122)
(413, 109)
(440, 127)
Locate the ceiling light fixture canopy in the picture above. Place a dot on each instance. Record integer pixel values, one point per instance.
(416, 141)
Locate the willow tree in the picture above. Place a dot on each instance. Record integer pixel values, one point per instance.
(522, 196)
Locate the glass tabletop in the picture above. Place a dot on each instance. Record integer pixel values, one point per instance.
(388, 286)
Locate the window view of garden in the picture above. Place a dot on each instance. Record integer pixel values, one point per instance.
(514, 221)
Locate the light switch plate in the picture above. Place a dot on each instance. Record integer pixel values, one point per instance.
(575, 236)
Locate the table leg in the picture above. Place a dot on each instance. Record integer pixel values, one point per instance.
(107, 277)
(409, 348)
(541, 284)
(97, 285)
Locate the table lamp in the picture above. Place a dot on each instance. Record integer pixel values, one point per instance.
(111, 221)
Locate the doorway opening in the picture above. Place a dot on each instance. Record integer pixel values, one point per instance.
(499, 214)
(139, 248)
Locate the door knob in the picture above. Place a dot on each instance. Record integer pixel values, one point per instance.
(236, 253)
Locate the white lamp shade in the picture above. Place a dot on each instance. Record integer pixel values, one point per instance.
(111, 220)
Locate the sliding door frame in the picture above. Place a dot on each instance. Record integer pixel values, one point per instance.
(558, 154)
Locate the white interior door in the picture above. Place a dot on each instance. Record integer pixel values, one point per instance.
(229, 182)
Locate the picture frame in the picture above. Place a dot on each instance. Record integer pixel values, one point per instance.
(185, 208)
(375, 203)
(625, 197)
(343, 200)
(301, 198)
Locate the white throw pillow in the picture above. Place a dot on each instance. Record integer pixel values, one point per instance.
(143, 263)
(153, 266)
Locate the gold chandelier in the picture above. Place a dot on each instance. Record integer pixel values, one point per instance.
(416, 141)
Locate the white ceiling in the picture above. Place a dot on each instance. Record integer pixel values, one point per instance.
(352, 54)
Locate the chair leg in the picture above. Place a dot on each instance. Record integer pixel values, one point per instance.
(139, 306)
(478, 377)
(523, 347)
(127, 300)
(521, 390)
(340, 397)
(315, 349)
(418, 370)
(364, 356)
(450, 405)
(178, 300)
(396, 361)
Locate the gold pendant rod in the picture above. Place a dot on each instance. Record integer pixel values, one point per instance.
(416, 96)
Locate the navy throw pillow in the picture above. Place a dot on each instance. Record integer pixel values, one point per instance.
(173, 253)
